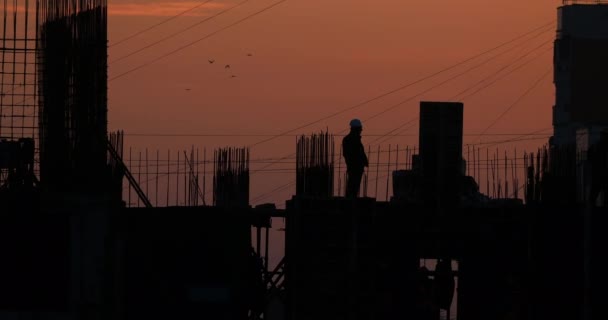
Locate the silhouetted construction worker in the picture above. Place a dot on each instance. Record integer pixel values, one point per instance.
(355, 158)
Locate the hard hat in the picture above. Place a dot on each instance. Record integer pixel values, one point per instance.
(356, 123)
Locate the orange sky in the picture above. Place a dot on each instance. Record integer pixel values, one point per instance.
(315, 57)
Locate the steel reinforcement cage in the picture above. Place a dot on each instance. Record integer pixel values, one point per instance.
(18, 79)
(73, 92)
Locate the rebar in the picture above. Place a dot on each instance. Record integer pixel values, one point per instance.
(231, 177)
(315, 165)
(72, 80)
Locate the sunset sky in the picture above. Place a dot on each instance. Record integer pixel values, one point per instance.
(304, 60)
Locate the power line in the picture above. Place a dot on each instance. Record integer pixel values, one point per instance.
(501, 70)
(403, 87)
(198, 40)
(397, 134)
(272, 159)
(159, 23)
(291, 135)
(272, 192)
(519, 99)
(505, 75)
(179, 32)
(360, 104)
(350, 108)
(430, 89)
(412, 120)
(389, 137)
(400, 88)
(369, 100)
(492, 143)
(524, 135)
(481, 88)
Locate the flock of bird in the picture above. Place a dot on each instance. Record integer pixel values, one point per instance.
(227, 67)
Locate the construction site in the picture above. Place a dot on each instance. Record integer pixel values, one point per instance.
(439, 229)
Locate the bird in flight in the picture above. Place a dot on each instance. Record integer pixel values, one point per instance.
(227, 66)
(211, 61)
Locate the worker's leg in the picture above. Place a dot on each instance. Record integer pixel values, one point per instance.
(353, 183)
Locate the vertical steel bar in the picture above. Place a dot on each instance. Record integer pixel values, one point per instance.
(25, 68)
(377, 172)
(157, 166)
(487, 171)
(139, 176)
(480, 168)
(197, 177)
(168, 175)
(177, 182)
(147, 172)
(13, 75)
(388, 171)
(468, 160)
(2, 63)
(369, 152)
(204, 175)
(131, 167)
(266, 251)
(340, 172)
(185, 179)
(215, 164)
(397, 158)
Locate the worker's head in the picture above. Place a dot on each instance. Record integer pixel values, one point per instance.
(356, 125)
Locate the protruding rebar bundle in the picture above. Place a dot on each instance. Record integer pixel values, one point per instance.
(231, 177)
(315, 166)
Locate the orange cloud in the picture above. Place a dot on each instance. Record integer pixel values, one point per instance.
(161, 9)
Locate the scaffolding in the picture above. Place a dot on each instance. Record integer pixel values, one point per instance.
(18, 78)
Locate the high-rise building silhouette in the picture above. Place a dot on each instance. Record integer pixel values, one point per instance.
(580, 71)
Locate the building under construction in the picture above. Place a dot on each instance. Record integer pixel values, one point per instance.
(85, 237)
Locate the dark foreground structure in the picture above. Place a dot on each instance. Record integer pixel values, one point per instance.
(72, 249)
(344, 259)
(431, 252)
(512, 262)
